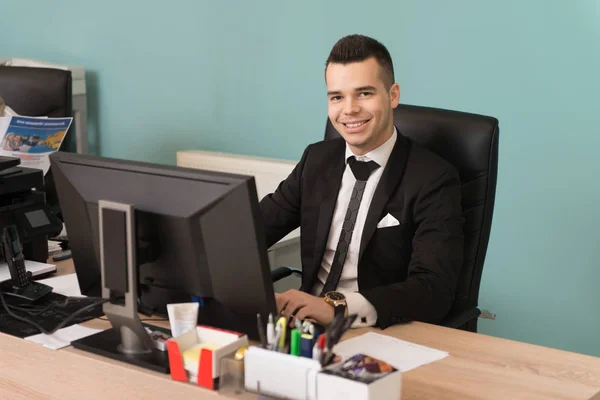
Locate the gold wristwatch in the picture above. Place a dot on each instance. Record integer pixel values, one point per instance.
(337, 300)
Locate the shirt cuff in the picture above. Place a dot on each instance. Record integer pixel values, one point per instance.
(357, 304)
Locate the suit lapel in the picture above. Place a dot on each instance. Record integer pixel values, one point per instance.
(392, 174)
(327, 187)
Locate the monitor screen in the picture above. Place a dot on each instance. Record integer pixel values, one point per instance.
(198, 234)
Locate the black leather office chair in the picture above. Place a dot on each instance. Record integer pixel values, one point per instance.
(470, 143)
(37, 92)
(40, 92)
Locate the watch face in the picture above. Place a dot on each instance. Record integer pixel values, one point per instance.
(336, 296)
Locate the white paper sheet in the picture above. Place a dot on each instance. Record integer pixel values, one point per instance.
(63, 337)
(398, 353)
(36, 268)
(67, 285)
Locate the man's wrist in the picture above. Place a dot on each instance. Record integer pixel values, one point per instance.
(336, 300)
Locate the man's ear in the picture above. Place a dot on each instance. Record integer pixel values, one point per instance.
(394, 95)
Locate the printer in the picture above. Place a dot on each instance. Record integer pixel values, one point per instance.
(23, 204)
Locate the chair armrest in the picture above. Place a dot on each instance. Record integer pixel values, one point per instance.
(457, 319)
(283, 272)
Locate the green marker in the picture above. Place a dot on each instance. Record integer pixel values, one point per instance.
(295, 342)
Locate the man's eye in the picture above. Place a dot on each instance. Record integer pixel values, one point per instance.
(335, 98)
(363, 94)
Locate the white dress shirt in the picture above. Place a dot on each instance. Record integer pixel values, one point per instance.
(348, 284)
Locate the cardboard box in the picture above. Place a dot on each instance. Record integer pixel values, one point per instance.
(360, 378)
(210, 345)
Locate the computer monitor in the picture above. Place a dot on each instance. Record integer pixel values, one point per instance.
(164, 234)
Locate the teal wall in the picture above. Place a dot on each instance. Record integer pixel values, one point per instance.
(247, 77)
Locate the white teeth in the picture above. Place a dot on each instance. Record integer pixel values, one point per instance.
(356, 125)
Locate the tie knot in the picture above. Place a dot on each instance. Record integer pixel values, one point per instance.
(361, 169)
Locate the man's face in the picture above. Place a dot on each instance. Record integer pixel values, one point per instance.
(360, 106)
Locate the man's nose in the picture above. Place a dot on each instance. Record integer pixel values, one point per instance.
(351, 106)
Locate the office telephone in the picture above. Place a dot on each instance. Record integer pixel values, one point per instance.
(20, 285)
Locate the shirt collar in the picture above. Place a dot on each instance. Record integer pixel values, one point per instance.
(380, 155)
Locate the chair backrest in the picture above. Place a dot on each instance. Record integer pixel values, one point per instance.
(40, 92)
(470, 143)
(37, 92)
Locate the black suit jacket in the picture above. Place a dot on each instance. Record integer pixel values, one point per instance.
(407, 272)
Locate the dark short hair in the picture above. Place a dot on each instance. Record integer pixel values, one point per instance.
(357, 48)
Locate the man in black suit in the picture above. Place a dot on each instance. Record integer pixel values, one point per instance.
(380, 216)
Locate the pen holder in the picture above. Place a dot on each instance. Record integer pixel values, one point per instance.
(195, 356)
(280, 375)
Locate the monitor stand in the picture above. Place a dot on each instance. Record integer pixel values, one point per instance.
(127, 340)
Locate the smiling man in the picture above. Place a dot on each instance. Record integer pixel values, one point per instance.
(380, 216)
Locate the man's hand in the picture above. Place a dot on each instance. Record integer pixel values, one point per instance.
(303, 305)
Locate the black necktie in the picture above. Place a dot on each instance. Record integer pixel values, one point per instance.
(361, 170)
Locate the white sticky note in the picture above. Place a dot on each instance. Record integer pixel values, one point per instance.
(398, 353)
(63, 337)
(67, 285)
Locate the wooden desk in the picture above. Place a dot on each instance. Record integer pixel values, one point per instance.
(479, 367)
(64, 267)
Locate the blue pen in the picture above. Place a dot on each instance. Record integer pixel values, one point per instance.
(306, 345)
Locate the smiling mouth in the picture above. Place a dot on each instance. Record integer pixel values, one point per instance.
(355, 124)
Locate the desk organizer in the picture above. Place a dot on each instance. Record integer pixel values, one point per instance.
(220, 343)
(280, 374)
(291, 377)
(360, 378)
